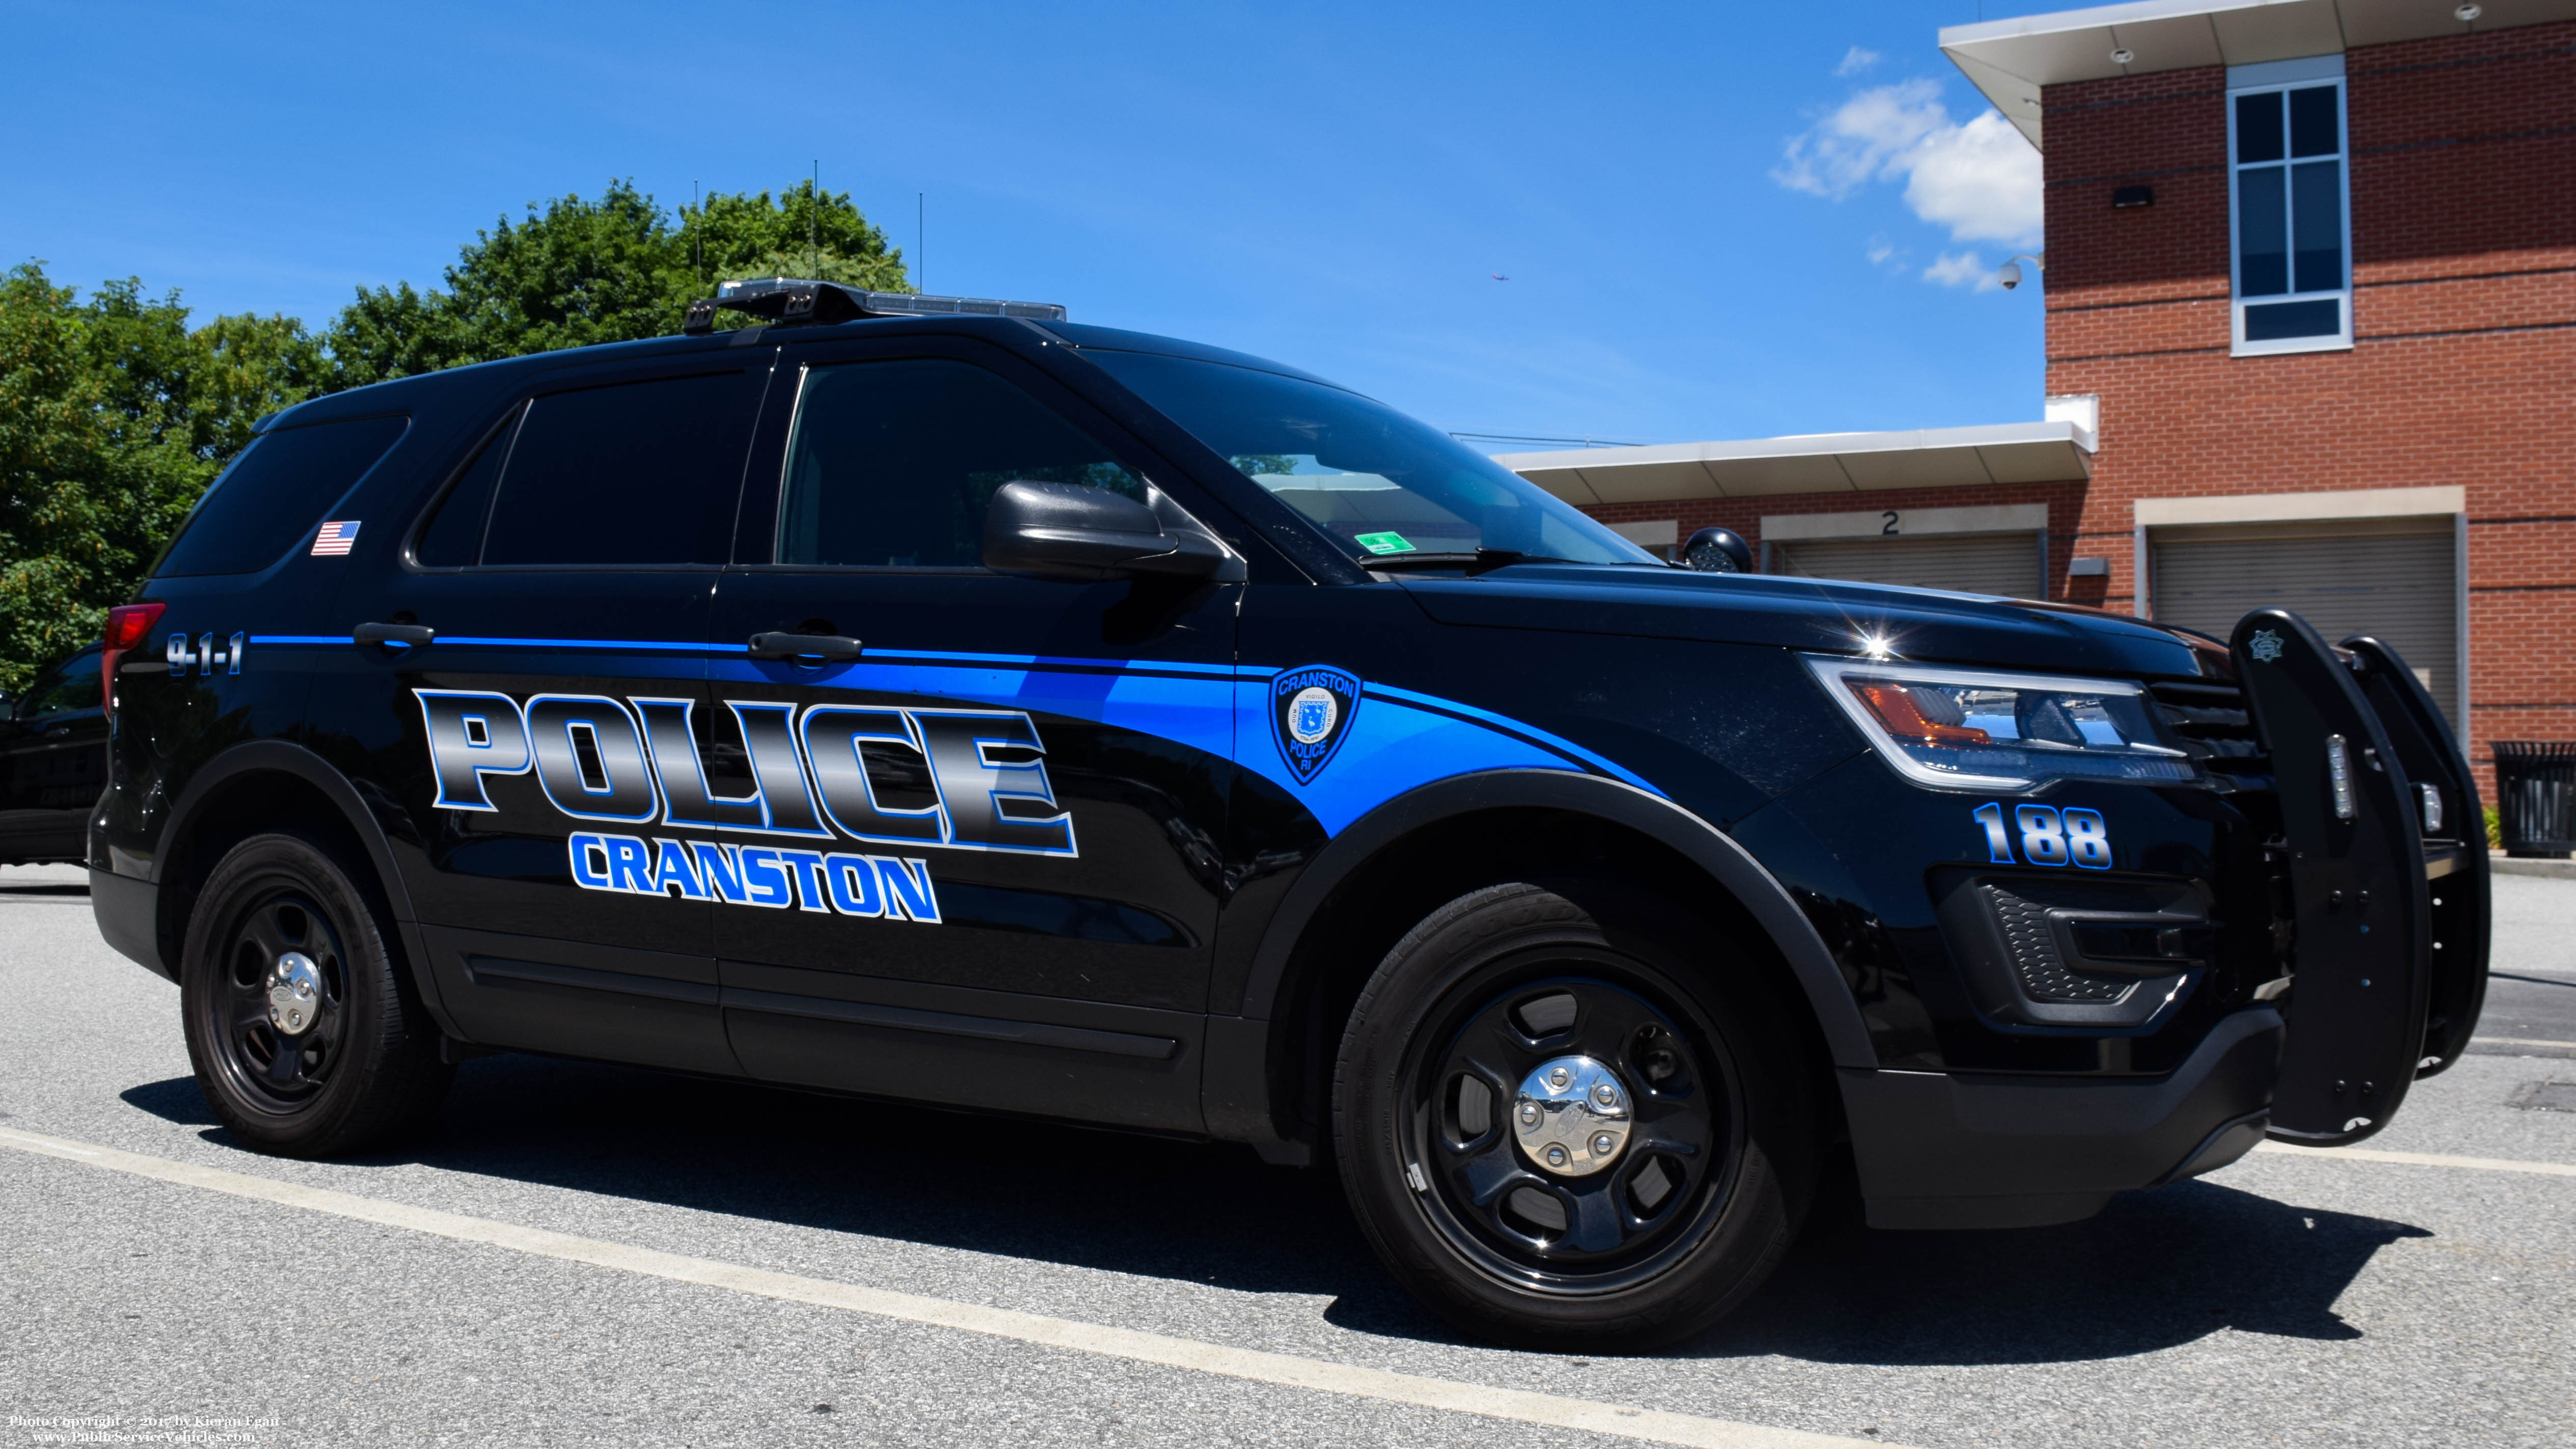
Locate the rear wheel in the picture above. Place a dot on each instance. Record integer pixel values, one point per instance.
(305, 1037)
(1566, 1124)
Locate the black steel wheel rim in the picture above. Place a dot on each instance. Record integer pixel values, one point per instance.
(277, 1070)
(1501, 1209)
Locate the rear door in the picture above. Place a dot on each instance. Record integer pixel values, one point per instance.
(537, 737)
(2361, 977)
(1005, 877)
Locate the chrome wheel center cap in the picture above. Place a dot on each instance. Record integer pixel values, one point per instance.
(1571, 1117)
(294, 993)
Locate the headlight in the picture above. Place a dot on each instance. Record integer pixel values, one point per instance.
(1974, 730)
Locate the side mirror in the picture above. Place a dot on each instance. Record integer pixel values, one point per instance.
(1716, 551)
(1076, 533)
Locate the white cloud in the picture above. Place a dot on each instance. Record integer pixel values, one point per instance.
(1962, 269)
(1979, 179)
(1862, 139)
(1856, 60)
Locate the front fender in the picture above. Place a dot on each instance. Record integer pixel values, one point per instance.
(1248, 1036)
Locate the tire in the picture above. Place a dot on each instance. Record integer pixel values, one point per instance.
(1704, 1182)
(351, 1061)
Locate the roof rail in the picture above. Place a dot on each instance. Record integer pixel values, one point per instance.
(793, 301)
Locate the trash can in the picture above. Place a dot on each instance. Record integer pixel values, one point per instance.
(2536, 797)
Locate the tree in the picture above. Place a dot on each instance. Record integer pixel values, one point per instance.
(746, 235)
(616, 269)
(113, 419)
(115, 415)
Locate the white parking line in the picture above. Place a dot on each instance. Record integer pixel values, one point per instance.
(2421, 1159)
(48, 1144)
(1650, 1425)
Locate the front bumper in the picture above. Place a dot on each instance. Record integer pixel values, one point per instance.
(1981, 1150)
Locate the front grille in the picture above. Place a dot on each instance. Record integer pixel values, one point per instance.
(2210, 722)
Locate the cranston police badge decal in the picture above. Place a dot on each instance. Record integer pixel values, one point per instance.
(1310, 715)
(2265, 645)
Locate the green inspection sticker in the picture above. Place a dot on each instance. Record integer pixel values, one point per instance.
(1384, 542)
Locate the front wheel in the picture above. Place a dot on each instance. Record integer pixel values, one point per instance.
(1573, 1125)
(305, 1037)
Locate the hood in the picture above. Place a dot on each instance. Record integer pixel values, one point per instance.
(1820, 615)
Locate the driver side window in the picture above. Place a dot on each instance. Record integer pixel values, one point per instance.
(892, 464)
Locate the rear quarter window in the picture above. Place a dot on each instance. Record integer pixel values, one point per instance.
(275, 493)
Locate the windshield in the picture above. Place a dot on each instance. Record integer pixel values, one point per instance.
(1387, 488)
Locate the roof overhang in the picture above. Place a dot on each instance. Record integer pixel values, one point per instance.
(2049, 452)
(2010, 60)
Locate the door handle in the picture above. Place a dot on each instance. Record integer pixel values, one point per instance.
(411, 634)
(838, 647)
(57, 732)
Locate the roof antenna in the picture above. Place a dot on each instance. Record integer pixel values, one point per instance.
(920, 245)
(814, 222)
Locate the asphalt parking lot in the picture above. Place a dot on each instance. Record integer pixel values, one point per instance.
(589, 1255)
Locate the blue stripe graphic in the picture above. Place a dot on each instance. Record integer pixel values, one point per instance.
(1399, 741)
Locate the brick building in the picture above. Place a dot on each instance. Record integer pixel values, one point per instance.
(2311, 336)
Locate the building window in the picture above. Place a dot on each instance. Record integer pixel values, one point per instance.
(2292, 209)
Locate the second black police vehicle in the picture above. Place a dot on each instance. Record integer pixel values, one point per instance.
(951, 703)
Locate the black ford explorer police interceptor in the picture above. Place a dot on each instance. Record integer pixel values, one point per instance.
(987, 711)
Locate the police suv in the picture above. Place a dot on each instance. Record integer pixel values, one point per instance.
(944, 702)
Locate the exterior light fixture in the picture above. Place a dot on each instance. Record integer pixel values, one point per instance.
(2008, 276)
(2123, 55)
(2468, 14)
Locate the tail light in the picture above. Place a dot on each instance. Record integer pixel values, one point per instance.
(128, 625)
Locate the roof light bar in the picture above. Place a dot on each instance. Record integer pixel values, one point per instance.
(790, 301)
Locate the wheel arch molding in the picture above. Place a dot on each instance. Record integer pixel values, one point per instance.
(327, 799)
(1256, 1089)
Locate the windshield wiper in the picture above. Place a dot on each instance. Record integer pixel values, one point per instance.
(1474, 563)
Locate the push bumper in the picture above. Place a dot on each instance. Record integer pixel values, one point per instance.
(1973, 1150)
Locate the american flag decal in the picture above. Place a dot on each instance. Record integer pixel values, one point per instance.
(336, 538)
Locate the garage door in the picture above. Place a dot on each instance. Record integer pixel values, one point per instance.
(2395, 579)
(1970, 563)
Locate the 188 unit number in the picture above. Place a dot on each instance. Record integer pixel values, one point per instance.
(2049, 836)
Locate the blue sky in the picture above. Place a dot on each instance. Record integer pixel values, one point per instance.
(1718, 221)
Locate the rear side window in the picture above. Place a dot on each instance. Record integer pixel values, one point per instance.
(453, 535)
(274, 494)
(894, 463)
(67, 688)
(641, 473)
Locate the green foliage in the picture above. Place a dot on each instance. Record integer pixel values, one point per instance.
(2495, 829)
(612, 270)
(748, 235)
(115, 415)
(113, 418)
